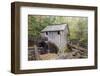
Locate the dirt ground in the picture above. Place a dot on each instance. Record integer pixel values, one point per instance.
(48, 56)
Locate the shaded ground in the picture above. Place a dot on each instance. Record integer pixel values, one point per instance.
(74, 54)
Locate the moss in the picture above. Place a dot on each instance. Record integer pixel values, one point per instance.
(66, 49)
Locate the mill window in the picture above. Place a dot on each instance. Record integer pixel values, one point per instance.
(58, 32)
(46, 33)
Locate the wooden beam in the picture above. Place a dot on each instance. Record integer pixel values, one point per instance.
(77, 47)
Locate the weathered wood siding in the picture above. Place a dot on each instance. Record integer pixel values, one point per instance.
(60, 39)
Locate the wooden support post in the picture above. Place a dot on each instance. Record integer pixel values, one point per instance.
(37, 55)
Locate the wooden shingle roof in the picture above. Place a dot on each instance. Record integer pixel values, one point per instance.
(56, 27)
